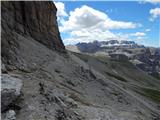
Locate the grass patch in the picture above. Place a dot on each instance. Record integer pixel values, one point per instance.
(84, 57)
(157, 76)
(150, 93)
(103, 59)
(116, 76)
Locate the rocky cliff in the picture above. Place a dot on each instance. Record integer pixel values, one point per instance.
(36, 20)
(42, 82)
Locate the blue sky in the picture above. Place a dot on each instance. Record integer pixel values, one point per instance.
(86, 21)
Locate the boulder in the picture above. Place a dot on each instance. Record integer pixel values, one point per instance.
(10, 115)
(3, 68)
(10, 90)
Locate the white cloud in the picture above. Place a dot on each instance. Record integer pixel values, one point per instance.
(153, 1)
(89, 18)
(86, 35)
(86, 24)
(138, 34)
(97, 34)
(60, 10)
(140, 38)
(147, 30)
(154, 13)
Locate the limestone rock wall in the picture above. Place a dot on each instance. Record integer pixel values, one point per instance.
(29, 19)
(37, 19)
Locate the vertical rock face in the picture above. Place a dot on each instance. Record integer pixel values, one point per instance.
(35, 19)
(28, 20)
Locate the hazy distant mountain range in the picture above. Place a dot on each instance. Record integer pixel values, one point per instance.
(106, 45)
(146, 58)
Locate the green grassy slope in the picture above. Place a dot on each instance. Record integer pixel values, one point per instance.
(126, 74)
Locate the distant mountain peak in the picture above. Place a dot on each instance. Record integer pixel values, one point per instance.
(95, 46)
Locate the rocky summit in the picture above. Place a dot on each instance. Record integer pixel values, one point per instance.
(41, 80)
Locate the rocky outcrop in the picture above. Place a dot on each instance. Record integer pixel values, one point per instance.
(119, 57)
(37, 19)
(11, 89)
(111, 45)
(149, 61)
(89, 47)
(31, 20)
(148, 57)
(63, 85)
(10, 115)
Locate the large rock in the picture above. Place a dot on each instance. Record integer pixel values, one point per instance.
(37, 19)
(10, 115)
(149, 59)
(119, 57)
(90, 47)
(30, 20)
(10, 90)
(3, 68)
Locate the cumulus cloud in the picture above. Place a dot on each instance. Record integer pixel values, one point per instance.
(154, 13)
(87, 17)
(97, 34)
(139, 34)
(147, 30)
(87, 24)
(140, 38)
(85, 35)
(60, 10)
(153, 1)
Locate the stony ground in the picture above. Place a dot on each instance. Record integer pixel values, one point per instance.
(43, 81)
(65, 86)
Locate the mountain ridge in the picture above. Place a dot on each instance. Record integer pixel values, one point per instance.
(42, 82)
(146, 58)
